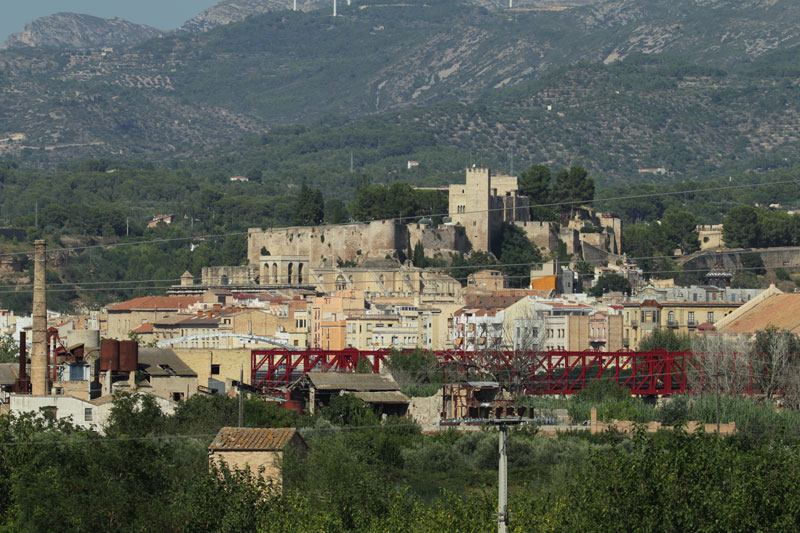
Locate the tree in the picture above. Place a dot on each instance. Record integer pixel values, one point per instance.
(745, 280)
(665, 339)
(741, 228)
(679, 230)
(518, 253)
(310, 207)
(418, 258)
(413, 368)
(9, 350)
(535, 183)
(774, 360)
(336, 212)
(572, 187)
(610, 282)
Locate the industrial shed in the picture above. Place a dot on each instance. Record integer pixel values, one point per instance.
(379, 390)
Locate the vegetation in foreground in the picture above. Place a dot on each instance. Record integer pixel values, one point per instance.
(362, 474)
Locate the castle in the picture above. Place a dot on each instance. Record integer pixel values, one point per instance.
(478, 208)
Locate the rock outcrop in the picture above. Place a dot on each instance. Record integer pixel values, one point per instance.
(75, 31)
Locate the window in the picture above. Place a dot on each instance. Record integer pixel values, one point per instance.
(87, 414)
(177, 396)
(691, 316)
(671, 317)
(214, 370)
(711, 317)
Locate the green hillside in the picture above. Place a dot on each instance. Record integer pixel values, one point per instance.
(183, 95)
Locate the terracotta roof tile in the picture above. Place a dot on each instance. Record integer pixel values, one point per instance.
(147, 327)
(264, 439)
(156, 302)
(780, 310)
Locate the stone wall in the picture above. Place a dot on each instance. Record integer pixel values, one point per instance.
(786, 257)
(255, 460)
(626, 426)
(542, 234)
(326, 245)
(444, 240)
(229, 275)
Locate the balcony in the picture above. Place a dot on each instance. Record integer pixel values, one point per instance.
(626, 342)
(634, 324)
(692, 323)
(672, 323)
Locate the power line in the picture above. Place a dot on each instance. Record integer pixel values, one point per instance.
(413, 217)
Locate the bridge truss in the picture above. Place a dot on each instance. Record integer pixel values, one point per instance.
(540, 373)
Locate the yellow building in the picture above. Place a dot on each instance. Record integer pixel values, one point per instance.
(641, 318)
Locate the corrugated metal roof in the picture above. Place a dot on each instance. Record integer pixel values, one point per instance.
(7, 374)
(393, 397)
(353, 382)
(260, 439)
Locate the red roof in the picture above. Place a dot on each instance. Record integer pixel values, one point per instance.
(650, 303)
(147, 303)
(147, 327)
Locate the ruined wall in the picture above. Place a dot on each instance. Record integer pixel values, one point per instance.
(229, 275)
(444, 240)
(324, 244)
(542, 234)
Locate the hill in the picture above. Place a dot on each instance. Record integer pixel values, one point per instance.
(648, 119)
(186, 94)
(76, 31)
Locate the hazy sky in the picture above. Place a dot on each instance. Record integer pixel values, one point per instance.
(163, 14)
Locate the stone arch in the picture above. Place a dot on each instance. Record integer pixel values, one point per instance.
(290, 273)
(300, 273)
(275, 273)
(341, 283)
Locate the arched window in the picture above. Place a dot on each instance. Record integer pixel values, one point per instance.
(300, 274)
(290, 273)
(274, 272)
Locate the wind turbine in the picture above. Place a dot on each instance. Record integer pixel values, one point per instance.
(334, 8)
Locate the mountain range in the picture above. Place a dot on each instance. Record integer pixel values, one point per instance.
(551, 81)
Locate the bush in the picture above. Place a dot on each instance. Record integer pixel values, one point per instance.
(674, 411)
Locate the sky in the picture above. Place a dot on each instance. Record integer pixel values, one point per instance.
(162, 14)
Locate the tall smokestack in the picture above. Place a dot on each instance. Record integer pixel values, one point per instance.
(39, 341)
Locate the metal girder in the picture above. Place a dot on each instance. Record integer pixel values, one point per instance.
(555, 372)
(279, 368)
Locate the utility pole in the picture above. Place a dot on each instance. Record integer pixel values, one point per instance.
(502, 486)
(716, 398)
(241, 397)
(502, 515)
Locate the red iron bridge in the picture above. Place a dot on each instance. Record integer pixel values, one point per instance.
(555, 372)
